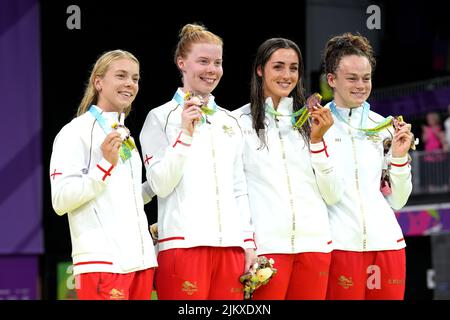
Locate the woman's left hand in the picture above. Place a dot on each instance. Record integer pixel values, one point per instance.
(250, 259)
(403, 138)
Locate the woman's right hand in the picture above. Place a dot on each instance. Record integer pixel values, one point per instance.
(190, 115)
(111, 146)
(322, 120)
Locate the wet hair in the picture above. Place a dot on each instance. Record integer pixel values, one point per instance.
(194, 33)
(257, 99)
(343, 45)
(99, 70)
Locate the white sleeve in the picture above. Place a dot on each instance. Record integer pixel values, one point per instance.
(401, 182)
(241, 195)
(164, 161)
(147, 192)
(72, 184)
(330, 185)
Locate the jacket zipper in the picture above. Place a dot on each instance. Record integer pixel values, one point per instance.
(361, 208)
(216, 180)
(291, 199)
(137, 211)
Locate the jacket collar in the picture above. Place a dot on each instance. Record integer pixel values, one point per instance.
(284, 106)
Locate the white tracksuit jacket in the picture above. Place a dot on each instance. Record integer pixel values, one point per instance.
(199, 180)
(363, 219)
(105, 205)
(288, 184)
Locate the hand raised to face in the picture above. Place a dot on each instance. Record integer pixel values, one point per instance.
(191, 114)
(403, 138)
(321, 118)
(111, 146)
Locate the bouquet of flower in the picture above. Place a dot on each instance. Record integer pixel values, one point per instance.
(259, 274)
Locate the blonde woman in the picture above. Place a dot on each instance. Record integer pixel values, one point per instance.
(95, 175)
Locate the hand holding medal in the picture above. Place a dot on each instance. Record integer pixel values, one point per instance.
(127, 141)
(192, 112)
(313, 102)
(403, 139)
(321, 119)
(200, 102)
(121, 129)
(110, 147)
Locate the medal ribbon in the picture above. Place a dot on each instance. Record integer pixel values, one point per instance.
(127, 145)
(207, 110)
(386, 123)
(301, 114)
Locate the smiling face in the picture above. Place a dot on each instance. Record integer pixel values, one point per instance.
(201, 68)
(280, 74)
(352, 81)
(118, 87)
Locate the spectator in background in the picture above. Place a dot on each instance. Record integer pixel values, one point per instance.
(447, 140)
(433, 137)
(447, 127)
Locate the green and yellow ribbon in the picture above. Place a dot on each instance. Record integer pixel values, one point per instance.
(386, 123)
(204, 108)
(301, 114)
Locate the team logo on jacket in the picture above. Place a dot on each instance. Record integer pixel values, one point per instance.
(374, 138)
(345, 282)
(189, 287)
(116, 294)
(228, 130)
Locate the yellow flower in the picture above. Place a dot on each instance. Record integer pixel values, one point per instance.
(259, 274)
(264, 274)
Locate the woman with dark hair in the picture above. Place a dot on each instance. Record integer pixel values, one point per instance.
(368, 261)
(289, 174)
